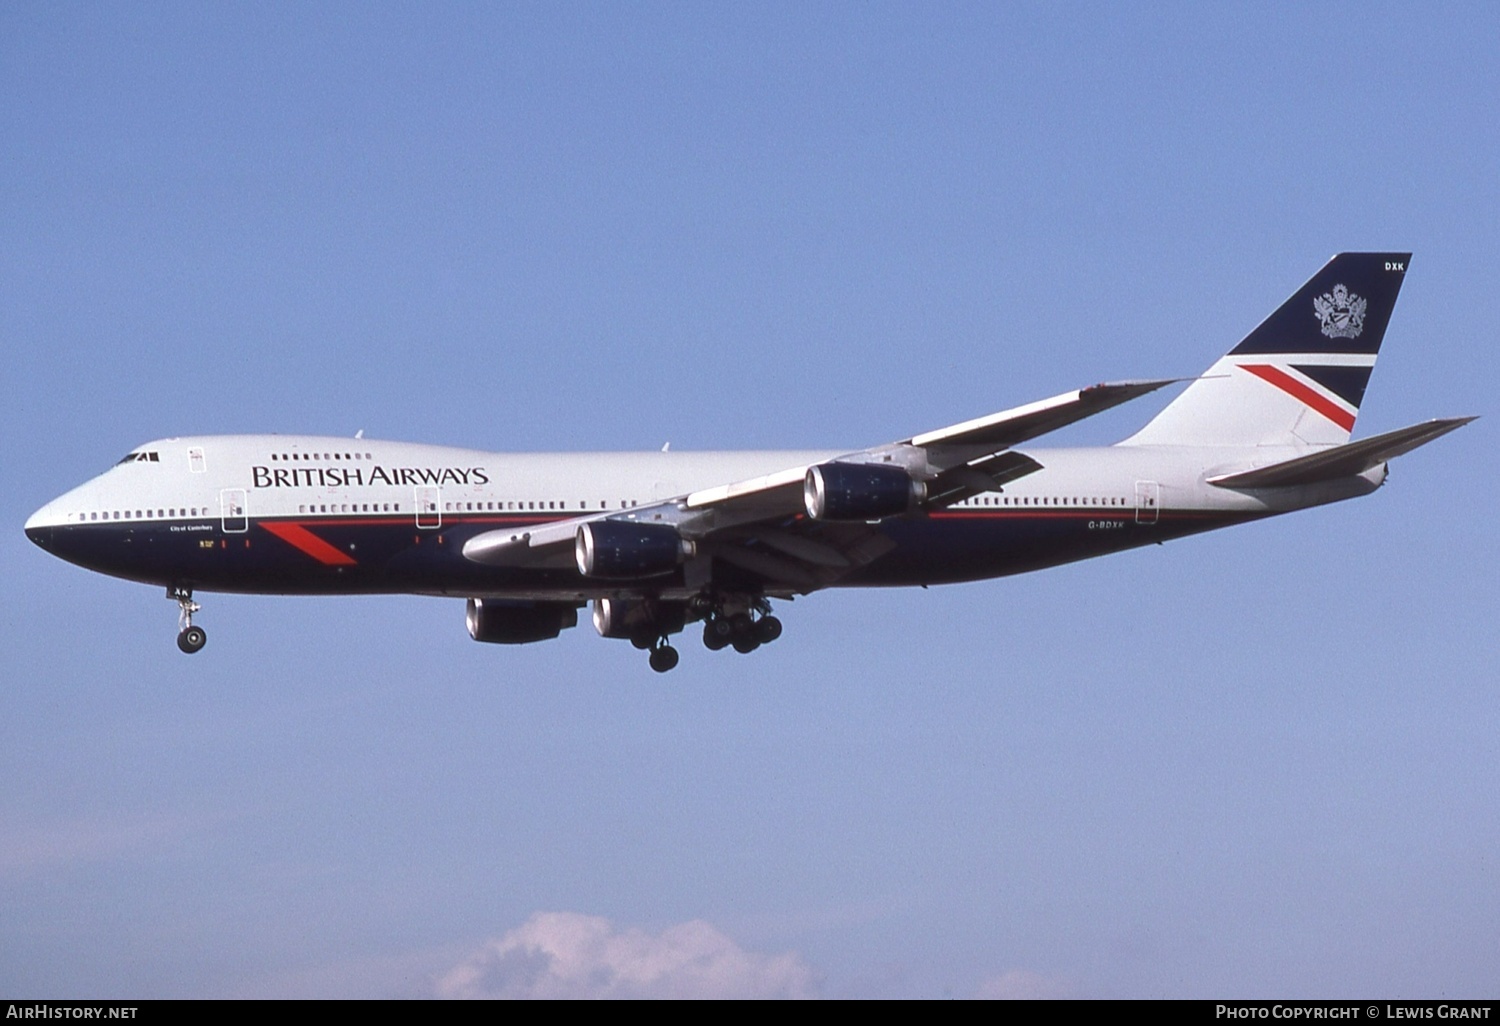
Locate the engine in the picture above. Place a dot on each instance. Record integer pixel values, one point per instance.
(859, 491)
(638, 619)
(518, 623)
(623, 550)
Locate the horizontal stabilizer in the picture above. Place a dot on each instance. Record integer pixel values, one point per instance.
(1344, 460)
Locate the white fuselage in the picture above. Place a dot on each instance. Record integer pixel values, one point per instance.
(314, 512)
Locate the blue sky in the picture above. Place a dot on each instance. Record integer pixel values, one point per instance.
(1259, 762)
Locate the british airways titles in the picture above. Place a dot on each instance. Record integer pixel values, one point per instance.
(354, 477)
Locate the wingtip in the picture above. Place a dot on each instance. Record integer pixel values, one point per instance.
(1452, 423)
(1137, 387)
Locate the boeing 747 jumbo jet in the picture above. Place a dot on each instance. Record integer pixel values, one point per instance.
(663, 539)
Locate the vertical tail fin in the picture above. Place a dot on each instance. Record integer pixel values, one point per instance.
(1298, 378)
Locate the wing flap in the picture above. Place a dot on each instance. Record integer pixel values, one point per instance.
(803, 547)
(802, 555)
(774, 568)
(988, 474)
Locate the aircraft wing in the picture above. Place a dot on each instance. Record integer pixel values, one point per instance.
(962, 452)
(760, 525)
(1012, 427)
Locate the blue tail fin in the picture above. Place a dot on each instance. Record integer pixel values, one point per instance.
(1297, 379)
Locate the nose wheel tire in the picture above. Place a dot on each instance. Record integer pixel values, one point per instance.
(191, 639)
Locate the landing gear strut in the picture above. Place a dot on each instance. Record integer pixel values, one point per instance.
(189, 638)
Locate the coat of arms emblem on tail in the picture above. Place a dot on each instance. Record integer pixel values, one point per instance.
(1341, 313)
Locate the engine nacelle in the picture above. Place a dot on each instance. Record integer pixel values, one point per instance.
(859, 491)
(638, 618)
(623, 550)
(518, 623)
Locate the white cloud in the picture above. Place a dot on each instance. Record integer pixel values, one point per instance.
(1022, 985)
(571, 955)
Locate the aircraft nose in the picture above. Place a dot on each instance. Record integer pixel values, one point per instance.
(39, 526)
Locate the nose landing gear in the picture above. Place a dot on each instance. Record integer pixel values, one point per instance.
(189, 638)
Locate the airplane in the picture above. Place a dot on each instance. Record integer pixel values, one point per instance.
(659, 540)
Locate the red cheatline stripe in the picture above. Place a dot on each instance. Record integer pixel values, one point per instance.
(1297, 390)
(300, 537)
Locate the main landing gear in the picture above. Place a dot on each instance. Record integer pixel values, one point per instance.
(726, 627)
(189, 638)
(663, 656)
(743, 622)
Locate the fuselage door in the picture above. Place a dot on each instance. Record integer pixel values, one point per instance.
(1147, 502)
(429, 506)
(232, 511)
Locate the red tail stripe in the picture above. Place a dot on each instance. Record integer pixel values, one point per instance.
(300, 537)
(1297, 390)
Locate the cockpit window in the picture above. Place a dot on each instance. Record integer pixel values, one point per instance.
(141, 457)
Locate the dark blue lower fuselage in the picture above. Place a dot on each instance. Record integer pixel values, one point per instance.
(391, 555)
